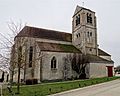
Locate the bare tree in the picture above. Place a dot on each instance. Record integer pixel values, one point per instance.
(117, 69)
(17, 50)
(7, 41)
(7, 44)
(79, 63)
(67, 66)
(22, 52)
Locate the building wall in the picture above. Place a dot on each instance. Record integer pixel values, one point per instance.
(15, 76)
(99, 70)
(42, 65)
(25, 43)
(51, 74)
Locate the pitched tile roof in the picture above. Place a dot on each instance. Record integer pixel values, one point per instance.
(54, 47)
(97, 59)
(34, 32)
(102, 53)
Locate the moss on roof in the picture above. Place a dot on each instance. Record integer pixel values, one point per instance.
(69, 48)
(54, 47)
(97, 59)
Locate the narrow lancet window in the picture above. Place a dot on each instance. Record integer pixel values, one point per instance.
(30, 56)
(53, 63)
(77, 19)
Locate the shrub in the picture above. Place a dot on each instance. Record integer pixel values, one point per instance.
(28, 82)
(35, 81)
(31, 81)
(50, 81)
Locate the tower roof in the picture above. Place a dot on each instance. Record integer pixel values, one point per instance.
(79, 8)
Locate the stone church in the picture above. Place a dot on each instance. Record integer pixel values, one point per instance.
(48, 54)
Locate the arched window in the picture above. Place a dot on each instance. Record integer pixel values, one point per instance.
(79, 34)
(91, 34)
(77, 19)
(53, 63)
(30, 56)
(89, 18)
(88, 35)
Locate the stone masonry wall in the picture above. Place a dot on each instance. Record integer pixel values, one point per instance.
(98, 70)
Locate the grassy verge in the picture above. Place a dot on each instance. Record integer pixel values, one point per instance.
(44, 89)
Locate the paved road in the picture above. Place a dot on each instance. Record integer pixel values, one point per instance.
(111, 88)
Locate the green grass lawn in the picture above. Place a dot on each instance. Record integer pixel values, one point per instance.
(44, 89)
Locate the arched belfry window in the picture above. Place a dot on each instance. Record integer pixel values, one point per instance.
(77, 19)
(89, 18)
(53, 63)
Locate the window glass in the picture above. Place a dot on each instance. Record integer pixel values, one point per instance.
(30, 56)
(90, 33)
(89, 18)
(53, 63)
(77, 19)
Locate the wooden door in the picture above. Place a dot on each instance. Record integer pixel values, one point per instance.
(110, 71)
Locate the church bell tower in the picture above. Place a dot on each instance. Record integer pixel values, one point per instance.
(84, 31)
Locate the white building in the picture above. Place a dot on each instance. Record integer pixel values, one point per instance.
(48, 54)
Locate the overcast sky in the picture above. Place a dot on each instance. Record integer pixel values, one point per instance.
(57, 14)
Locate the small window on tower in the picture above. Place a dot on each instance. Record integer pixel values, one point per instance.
(89, 18)
(90, 49)
(79, 34)
(87, 34)
(90, 33)
(77, 19)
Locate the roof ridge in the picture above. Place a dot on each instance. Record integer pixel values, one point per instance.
(56, 47)
(110, 61)
(35, 32)
(48, 29)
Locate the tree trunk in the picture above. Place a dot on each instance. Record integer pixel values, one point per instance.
(40, 69)
(18, 83)
(24, 73)
(19, 65)
(11, 77)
